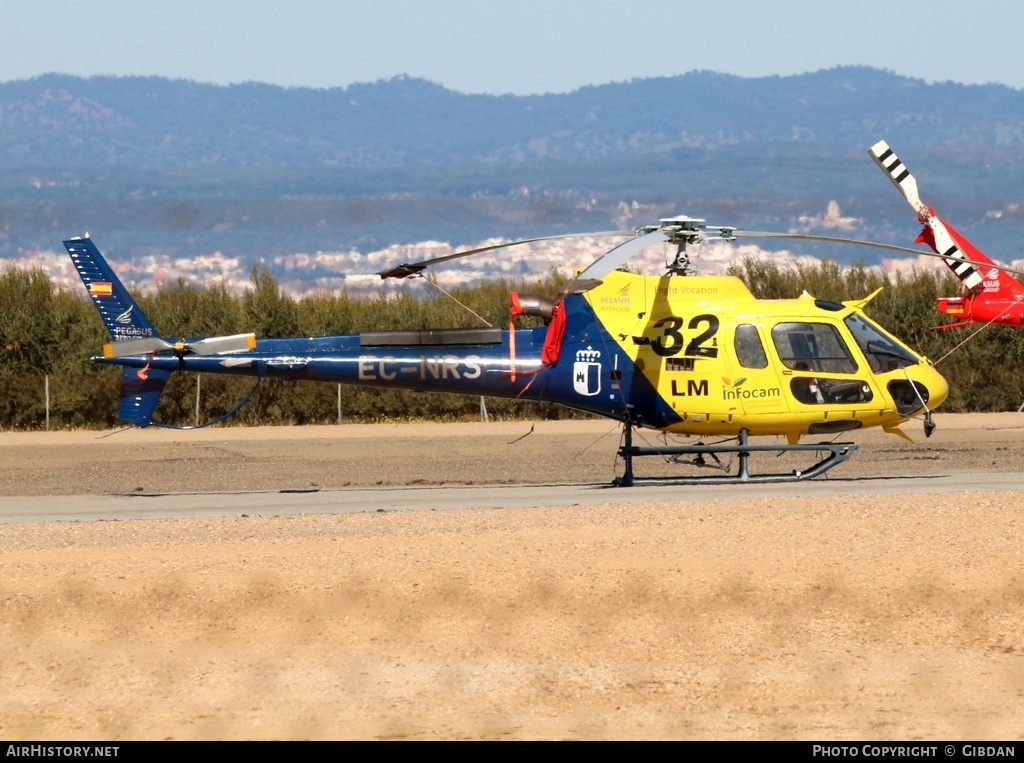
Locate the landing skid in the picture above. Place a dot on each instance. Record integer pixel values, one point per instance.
(838, 452)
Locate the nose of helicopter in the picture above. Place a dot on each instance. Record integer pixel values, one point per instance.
(917, 389)
(938, 388)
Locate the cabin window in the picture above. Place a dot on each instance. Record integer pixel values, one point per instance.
(749, 349)
(883, 353)
(813, 347)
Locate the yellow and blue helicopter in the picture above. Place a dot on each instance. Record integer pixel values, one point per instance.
(677, 352)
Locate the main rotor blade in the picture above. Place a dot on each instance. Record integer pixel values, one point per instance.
(413, 268)
(898, 173)
(591, 276)
(876, 245)
(740, 233)
(964, 269)
(900, 176)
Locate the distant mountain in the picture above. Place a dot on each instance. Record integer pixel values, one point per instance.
(153, 123)
(256, 170)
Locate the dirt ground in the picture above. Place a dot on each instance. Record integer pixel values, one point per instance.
(880, 618)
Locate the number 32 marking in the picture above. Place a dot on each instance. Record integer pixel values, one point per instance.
(670, 341)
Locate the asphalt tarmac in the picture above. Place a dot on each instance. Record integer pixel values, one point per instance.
(90, 508)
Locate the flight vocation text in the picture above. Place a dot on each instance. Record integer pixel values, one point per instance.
(372, 368)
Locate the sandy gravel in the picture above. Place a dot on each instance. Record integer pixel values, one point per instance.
(899, 617)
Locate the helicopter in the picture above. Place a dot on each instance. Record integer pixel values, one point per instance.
(993, 295)
(678, 353)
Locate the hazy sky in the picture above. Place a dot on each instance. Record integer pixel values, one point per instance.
(514, 46)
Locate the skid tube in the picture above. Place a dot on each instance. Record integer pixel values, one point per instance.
(838, 452)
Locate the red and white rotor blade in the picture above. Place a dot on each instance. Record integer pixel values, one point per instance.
(962, 267)
(900, 176)
(942, 240)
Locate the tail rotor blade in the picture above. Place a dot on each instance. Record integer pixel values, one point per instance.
(218, 344)
(143, 346)
(209, 346)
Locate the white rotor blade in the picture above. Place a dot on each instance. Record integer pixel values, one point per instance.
(143, 346)
(210, 346)
(900, 176)
(738, 233)
(218, 344)
(413, 268)
(591, 276)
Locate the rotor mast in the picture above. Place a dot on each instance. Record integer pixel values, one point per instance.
(685, 232)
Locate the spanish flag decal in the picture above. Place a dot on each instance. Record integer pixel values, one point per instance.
(100, 289)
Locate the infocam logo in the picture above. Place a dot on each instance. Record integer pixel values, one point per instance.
(734, 390)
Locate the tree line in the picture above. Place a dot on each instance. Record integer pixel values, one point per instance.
(48, 337)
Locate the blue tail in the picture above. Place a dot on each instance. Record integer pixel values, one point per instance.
(140, 387)
(140, 392)
(122, 317)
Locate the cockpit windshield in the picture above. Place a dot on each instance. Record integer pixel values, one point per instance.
(883, 353)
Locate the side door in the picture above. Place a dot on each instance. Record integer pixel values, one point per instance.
(819, 366)
(754, 386)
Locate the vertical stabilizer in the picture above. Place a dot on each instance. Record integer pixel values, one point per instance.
(140, 387)
(140, 393)
(121, 315)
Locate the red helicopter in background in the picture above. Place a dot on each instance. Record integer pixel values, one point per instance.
(992, 294)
